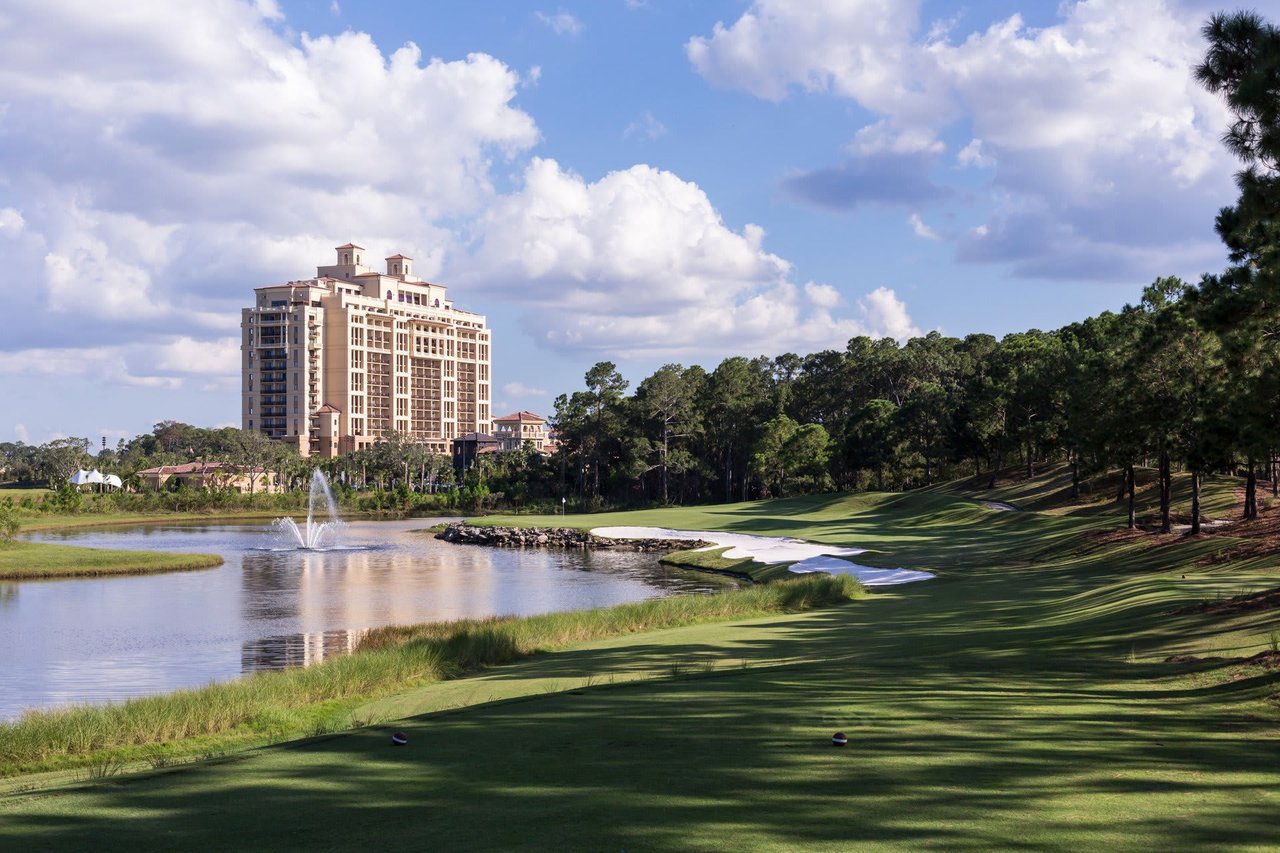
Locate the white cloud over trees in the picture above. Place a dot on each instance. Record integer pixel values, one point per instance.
(640, 262)
(1085, 124)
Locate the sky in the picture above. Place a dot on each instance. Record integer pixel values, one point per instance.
(638, 181)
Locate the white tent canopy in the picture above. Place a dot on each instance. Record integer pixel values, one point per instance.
(95, 478)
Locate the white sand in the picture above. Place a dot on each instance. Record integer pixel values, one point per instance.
(807, 556)
(1000, 506)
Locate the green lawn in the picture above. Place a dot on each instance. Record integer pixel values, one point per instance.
(66, 521)
(933, 531)
(17, 493)
(31, 560)
(1021, 700)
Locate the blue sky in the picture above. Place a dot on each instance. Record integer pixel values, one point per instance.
(642, 182)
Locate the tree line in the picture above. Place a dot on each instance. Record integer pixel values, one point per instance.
(1185, 378)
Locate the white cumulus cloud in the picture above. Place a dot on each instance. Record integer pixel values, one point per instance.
(640, 262)
(857, 48)
(204, 149)
(11, 221)
(1104, 150)
(920, 229)
(884, 311)
(973, 155)
(822, 295)
(519, 389)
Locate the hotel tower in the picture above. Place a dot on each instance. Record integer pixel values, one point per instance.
(332, 363)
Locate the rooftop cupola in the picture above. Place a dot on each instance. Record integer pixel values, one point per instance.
(400, 266)
(349, 254)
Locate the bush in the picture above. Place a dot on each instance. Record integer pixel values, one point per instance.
(8, 521)
(67, 499)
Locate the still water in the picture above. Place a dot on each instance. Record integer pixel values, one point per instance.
(92, 640)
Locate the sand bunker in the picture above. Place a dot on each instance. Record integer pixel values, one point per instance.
(807, 556)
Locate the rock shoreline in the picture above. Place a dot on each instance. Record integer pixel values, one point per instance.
(556, 537)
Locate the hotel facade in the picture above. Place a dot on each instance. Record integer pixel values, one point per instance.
(331, 364)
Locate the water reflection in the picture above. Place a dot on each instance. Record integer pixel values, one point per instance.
(95, 639)
(297, 649)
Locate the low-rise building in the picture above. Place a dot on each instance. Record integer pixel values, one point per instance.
(466, 448)
(214, 476)
(513, 430)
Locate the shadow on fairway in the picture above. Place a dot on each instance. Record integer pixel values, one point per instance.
(938, 755)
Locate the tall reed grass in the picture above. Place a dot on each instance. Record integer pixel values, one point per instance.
(500, 639)
(289, 703)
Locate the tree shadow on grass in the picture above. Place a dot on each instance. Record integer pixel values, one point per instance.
(939, 757)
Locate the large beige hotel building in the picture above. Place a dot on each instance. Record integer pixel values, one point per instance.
(332, 363)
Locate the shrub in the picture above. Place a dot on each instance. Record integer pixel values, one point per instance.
(8, 522)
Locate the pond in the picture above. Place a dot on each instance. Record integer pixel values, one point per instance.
(91, 640)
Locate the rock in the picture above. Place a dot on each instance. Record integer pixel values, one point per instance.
(554, 537)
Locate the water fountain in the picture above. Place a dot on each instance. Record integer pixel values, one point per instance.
(312, 537)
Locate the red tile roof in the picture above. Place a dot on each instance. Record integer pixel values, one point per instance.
(328, 409)
(523, 416)
(348, 246)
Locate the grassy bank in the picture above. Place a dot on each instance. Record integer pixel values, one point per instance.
(68, 521)
(714, 560)
(297, 702)
(935, 531)
(1062, 685)
(32, 560)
